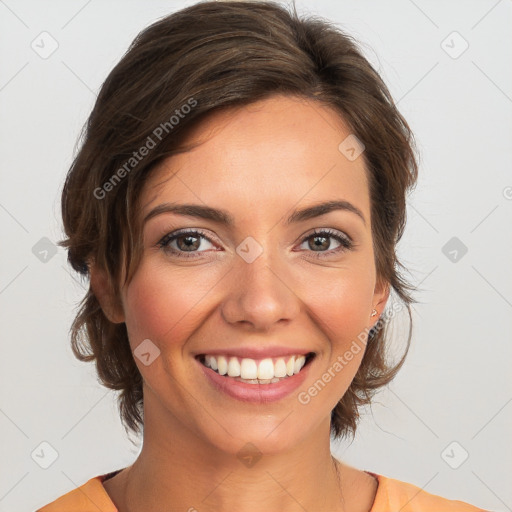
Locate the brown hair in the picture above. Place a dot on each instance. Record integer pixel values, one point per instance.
(201, 59)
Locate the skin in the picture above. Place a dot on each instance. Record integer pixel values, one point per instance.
(258, 162)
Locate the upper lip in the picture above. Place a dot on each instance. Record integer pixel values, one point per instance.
(256, 352)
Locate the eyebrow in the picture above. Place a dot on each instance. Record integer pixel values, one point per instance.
(223, 217)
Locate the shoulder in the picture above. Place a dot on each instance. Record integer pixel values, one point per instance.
(395, 495)
(89, 497)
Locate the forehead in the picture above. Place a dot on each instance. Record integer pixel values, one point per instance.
(276, 152)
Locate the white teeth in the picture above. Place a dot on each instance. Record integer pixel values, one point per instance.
(290, 366)
(266, 369)
(233, 367)
(258, 381)
(299, 363)
(280, 368)
(211, 362)
(222, 364)
(250, 370)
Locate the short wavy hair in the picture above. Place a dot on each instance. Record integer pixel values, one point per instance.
(209, 57)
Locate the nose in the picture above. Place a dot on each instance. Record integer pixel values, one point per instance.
(260, 295)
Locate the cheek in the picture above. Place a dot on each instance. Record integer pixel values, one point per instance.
(341, 304)
(342, 300)
(158, 307)
(341, 309)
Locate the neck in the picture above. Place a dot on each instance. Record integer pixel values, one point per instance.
(178, 470)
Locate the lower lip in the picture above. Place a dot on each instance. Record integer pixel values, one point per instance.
(259, 393)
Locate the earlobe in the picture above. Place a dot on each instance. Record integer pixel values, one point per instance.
(102, 289)
(380, 298)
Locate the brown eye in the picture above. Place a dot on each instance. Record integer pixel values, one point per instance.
(188, 242)
(184, 242)
(320, 242)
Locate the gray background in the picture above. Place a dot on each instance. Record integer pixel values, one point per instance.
(456, 384)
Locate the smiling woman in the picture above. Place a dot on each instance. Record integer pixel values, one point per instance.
(241, 262)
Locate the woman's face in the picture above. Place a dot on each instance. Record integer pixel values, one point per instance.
(259, 287)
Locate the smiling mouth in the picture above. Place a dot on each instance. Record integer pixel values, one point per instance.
(256, 371)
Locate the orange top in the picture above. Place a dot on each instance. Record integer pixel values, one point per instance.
(392, 496)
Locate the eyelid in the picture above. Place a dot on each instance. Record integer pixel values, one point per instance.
(185, 231)
(345, 241)
(331, 231)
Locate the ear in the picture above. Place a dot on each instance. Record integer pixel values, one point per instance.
(380, 298)
(103, 291)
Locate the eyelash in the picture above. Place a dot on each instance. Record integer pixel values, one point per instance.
(346, 243)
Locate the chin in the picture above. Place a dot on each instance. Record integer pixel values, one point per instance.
(262, 435)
